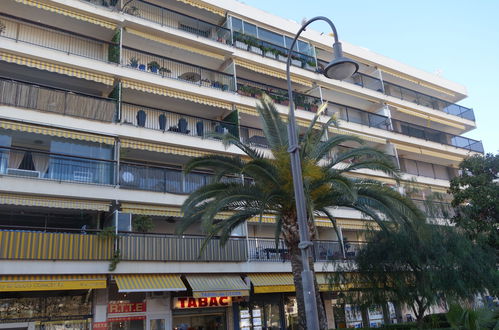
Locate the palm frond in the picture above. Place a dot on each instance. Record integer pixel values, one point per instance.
(274, 128)
(325, 148)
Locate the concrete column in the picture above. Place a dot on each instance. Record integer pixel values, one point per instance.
(159, 308)
(328, 307)
(365, 317)
(100, 305)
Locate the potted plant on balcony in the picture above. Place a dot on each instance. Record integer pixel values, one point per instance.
(244, 90)
(133, 10)
(296, 61)
(142, 67)
(300, 101)
(309, 65)
(153, 66)
(269, 52)
(142, 223)
(2, 27)
(281, 56)
(216, 84)
(165, 72)
(240, 41)
(134, 62)
(205, 82)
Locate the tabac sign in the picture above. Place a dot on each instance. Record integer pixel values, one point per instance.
(190, 302)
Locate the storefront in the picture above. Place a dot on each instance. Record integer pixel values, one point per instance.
(210, 305)
(48, 302)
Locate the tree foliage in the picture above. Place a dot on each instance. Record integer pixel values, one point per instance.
(270, 188)
(476, 198)
(422, 265)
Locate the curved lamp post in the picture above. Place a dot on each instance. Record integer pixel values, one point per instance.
(339, 68)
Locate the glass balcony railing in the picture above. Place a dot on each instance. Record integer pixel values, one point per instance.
(56, 167)
(56, 100)
(169, 68)
(270, 50)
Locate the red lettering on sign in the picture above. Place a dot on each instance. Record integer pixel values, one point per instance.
(203, 302)
(223, 301)
(182, 302)
(125, 307)
(213, 301)
(192, 303)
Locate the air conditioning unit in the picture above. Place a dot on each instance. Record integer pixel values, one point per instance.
(121, 221)
(19, 172)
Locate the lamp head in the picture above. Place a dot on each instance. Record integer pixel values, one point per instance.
(340, 67)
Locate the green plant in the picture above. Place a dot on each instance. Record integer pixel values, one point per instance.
(153, 66)
(133, 10)
(115, 259)
(164, 70)
(473, 319)
(134, 62)
(142, 223)
(114, 49)
(107, 233)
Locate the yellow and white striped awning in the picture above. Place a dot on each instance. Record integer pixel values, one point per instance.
(163, 148)
(51, 131)
(272, 282)
(204, 286)
(205, 6)
(53, 202)
(154, 210)
(69, 13)
(176, 94)
(149, 282)
(247, 110)
(18, 283)
(61, 69)
(329, 282)
(174, 44)
(257, 67)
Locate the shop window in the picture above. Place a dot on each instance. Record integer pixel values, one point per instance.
(291, 313)
(194, 320)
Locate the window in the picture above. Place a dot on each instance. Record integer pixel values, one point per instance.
(250, 29)
(271, 37)
(237, 24)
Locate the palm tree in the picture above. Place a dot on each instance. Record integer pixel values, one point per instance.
(271, 189)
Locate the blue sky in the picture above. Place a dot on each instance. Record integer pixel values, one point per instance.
(458, 38)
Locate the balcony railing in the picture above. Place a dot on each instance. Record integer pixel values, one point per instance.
(176, 20)
(268, 49)
(57, 167)
(279, 95)
(39, 34)
(435, 209)
(429, 134)
(169, 68)
(429, 170)
(163, 179)
(38, 245)
(162, 120)
(157, 247)
(266, 249)
(253, 136)
(428, 101)
(50, 99)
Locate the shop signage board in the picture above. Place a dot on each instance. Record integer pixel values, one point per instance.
(126, 307)
(51, 285)
(191, 302)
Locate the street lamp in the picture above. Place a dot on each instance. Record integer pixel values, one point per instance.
(339, 68)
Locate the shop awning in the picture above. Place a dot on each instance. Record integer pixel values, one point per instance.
(61, 203)
(69, 13)
(51, 282)
(58, 132)
(217, 285)
(268, 283)
(61, 69)
(149, 282)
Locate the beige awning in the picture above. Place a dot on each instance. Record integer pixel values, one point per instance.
(69, 13)
(54, 202)
(51, 131)
(176, 94)
(163, 148)
(61, 69)
(258, 67)
(205, 6)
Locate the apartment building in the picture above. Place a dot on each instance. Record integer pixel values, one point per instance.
(103, 102)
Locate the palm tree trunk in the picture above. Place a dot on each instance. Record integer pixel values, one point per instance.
(297, 268)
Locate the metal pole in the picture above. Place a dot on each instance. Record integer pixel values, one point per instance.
(309, 294)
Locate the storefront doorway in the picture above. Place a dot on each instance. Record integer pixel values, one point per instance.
(200, 319)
